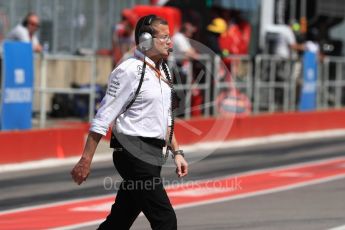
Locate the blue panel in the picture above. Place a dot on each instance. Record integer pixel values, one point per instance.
(308, 94)
(17, 86)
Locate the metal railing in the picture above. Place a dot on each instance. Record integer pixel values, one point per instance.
(236, 71)
(270, 83)
(200, 80)
(275, 82)
(44, 89)
(285, 76)
(333, 83)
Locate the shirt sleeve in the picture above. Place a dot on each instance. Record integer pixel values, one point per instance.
(19, 33)
(118, 95)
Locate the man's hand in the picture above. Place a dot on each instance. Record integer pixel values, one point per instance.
(181, 166)
(81, 170)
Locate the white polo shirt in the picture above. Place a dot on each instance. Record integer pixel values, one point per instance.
(286, 38)
(149, 115)
(21, 33)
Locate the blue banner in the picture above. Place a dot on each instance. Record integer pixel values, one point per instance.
(17, 86)
(309, 89)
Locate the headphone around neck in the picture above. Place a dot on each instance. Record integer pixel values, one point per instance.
(145, 33)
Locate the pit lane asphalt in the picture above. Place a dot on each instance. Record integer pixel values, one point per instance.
(303, 208)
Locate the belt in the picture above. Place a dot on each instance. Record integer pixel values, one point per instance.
(153, 141)
(114, 143)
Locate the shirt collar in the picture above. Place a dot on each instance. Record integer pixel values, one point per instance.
(140, 55)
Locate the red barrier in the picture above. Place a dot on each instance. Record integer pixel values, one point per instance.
(20, 146)
(31, 145)
(258, 126)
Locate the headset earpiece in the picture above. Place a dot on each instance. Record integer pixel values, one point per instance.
(146, 38)
(145, 41)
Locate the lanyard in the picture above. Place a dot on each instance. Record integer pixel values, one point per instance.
(157, 71)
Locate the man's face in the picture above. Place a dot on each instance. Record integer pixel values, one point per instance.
(33, 23)
(189, 30)
(161, 40)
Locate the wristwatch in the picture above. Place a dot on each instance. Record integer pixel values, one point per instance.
(177, 152)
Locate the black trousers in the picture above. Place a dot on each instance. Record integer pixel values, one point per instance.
(141, 189)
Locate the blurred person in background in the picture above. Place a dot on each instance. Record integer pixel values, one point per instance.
(281, 41)
(141, 112)
(213, 32)
(237, 37)
(311, 44)
(182, 45)
(185, 53)
(26, 31)
(123, 35)
(217, 27)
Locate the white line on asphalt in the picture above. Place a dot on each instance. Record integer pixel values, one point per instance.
(338, 228)
(272, 169)
(236, 197)
(265, 192)
(86, 224)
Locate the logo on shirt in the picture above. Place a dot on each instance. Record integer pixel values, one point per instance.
(114, 86)
(139, 69)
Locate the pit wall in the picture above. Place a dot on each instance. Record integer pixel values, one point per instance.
(31, 145)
